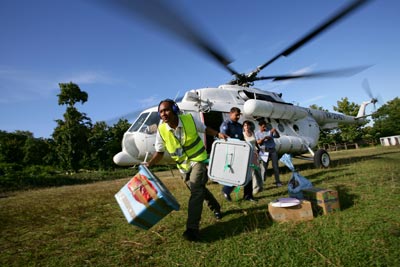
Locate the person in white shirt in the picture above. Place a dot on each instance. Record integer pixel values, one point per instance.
(178, 134)
(265, 139)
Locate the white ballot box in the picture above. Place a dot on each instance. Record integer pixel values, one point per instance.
(230, 162)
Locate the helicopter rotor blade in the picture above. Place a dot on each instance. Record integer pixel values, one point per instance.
(347, 72)
(160, 14)
(367, 88)
(322, 27)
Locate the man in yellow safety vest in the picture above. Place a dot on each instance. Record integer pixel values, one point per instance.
(178, 134)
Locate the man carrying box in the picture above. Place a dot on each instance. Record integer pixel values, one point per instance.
(178, 135)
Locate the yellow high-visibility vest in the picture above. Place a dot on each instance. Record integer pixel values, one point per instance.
(192, 147)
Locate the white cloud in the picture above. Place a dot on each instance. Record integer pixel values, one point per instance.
(304, 70)
(312, 100)
(149, 101)
(90, 77)
(18, 85)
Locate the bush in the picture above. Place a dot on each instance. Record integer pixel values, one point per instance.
(9, 175)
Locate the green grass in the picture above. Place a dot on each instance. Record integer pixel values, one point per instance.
(82, 225)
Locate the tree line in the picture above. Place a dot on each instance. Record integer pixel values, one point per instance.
(77, 143)
(385, 119)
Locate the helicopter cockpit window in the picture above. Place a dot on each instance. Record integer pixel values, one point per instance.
(146, 123)
(151, 124)
(139, 121)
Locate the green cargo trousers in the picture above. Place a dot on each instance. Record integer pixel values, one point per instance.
(196, 181)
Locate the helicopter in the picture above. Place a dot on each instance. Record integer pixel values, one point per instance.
(299, 127)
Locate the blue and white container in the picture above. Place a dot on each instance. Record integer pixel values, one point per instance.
(145, 200)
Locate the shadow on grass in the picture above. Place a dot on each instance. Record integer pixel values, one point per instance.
(346, 200)
(251, 219)
(25, 181)
(320, 177)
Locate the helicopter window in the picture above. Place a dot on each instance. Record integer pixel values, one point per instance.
(250, 95)
(147, 122)
(139, 121)
(296, 128)
(281, 127)
(151, 123)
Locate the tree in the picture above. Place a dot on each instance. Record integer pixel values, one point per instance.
(116, 134)
(314, 106)
(71, 94)
(387, 119)
(105, 142)
(98, 156)
(71, 134)
(12, 146)
(36, 151)
(349, 133)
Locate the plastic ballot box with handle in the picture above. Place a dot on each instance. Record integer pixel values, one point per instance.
(230, 161)
(145, 200)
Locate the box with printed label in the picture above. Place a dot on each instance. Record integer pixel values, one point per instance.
(301, 212)
(145, 200)
(323, 201)
(230, 162)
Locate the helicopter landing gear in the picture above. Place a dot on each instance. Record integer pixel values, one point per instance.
(321, 159)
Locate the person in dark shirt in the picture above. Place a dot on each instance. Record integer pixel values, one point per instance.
(234, 129)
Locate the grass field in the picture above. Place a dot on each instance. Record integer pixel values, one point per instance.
(82, 225)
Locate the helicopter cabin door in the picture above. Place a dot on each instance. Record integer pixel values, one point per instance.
(212, 119)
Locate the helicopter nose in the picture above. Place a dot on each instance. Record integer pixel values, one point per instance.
(129, 155)
(124, 159)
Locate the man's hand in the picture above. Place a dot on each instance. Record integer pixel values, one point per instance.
(222, 136)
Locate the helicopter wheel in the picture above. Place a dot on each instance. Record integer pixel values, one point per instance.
(321, 159)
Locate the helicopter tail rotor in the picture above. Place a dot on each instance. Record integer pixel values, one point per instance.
(367, 89)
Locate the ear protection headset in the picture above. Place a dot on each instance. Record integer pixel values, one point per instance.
(174, 106)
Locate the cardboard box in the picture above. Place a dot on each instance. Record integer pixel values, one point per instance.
(145, 200)
(301, 212)
(323, 201)
(230, 162)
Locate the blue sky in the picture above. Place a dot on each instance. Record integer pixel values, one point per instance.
(126, 65)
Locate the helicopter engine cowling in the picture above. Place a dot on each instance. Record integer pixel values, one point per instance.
(290, 144)
(262, 108)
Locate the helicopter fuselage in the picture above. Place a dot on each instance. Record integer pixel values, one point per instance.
(298, 127)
